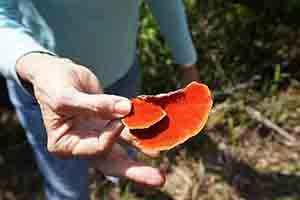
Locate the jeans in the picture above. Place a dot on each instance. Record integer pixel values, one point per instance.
(63, 179)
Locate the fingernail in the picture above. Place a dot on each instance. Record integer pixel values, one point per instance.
(123, 107)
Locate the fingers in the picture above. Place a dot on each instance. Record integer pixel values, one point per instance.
(109, 135)
(105, 106)
(190, 73)
(139, 173)
(117, 164)
(86, 143)
(99, 144)
(131, 141)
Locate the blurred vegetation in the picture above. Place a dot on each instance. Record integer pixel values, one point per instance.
(234, 39)
(249, 55)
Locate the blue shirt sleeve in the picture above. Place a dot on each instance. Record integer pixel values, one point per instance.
(171, 17)
(15, 38)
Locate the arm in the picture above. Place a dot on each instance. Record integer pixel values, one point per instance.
(80, 120)
(172, 21)
(21, 60)
(16, 40)
(173, 25)
(20, 57)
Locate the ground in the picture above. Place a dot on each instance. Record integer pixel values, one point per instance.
(237, 156)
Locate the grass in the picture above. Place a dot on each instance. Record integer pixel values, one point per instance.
(235, 157)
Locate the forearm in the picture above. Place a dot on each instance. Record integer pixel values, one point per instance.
(172, 21)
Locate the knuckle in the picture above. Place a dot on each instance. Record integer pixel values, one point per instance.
(101, 150)
(59, 103)
(57, 152)
(52, 149)
(104, 148)
(105, 110)
(99, 108)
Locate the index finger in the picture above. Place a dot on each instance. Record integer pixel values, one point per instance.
(125, 136)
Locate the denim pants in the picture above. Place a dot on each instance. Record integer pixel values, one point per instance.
(63, 179)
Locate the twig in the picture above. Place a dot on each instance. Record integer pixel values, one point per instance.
(240, 86)
(221, 107)
(253, 113)
(256, 115)
(184, 176)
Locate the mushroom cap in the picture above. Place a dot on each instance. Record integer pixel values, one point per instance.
(143, 114)
(186, 111)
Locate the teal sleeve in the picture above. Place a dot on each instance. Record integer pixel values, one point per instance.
(172, 21)
(16, 38)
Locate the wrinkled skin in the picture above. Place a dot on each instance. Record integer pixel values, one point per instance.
(80, 120)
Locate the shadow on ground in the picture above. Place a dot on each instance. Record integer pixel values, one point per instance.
(248, 182)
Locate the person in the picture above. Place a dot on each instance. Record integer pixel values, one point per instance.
(71, 112)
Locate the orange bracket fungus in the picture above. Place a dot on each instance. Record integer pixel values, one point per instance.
(164, 121)
(143, 114)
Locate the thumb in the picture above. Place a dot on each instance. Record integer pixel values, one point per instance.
(117, 163)
(105, 106)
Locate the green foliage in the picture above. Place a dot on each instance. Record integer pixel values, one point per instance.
(235, 40)
(154, 56)
(276, 78)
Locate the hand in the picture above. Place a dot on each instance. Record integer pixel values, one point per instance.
(189, 73)
(116, 163)
(80, 120)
